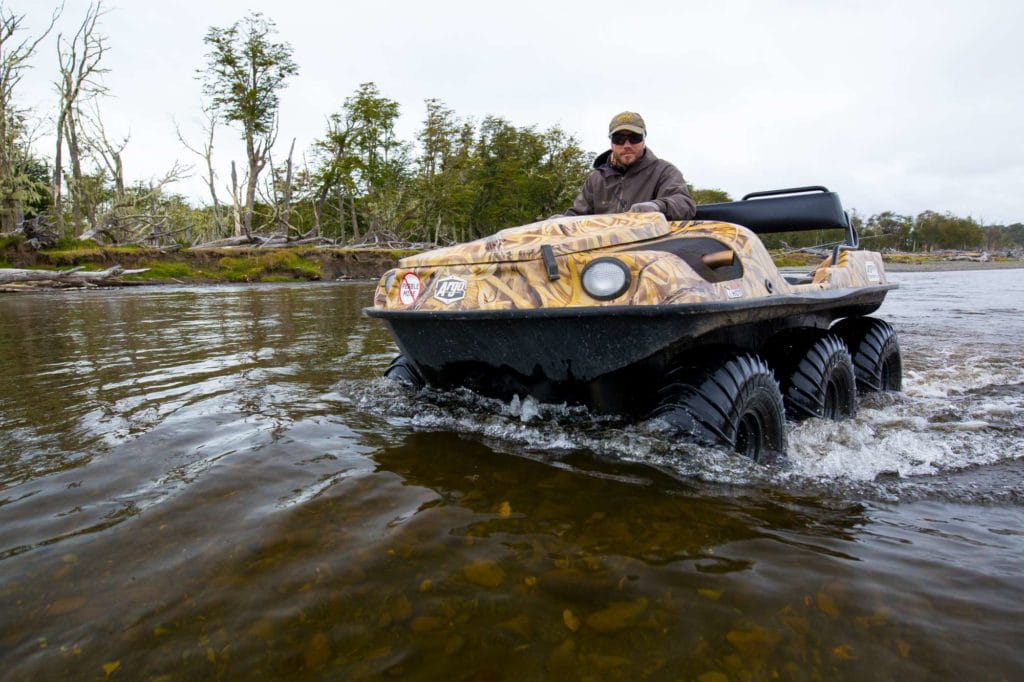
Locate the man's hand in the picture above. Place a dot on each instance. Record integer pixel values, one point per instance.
(645, 207)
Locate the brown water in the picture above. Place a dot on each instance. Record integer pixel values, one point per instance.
(212, 483)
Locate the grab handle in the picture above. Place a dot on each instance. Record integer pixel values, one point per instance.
(791, 190)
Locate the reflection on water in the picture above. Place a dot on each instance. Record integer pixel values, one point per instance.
(211, 483)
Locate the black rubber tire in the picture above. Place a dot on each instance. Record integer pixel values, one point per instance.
(817, 377)
(403, 371)
(877, 362)
(732, 401)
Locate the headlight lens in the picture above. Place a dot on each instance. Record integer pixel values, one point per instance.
(605, 278)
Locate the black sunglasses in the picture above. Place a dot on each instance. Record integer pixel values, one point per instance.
(621, 137)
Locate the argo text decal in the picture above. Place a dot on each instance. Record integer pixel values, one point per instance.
(450, 289)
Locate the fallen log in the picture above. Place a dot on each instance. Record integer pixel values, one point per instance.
(71, 277)
(227, 242)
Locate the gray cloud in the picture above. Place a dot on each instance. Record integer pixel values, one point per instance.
(905, 106)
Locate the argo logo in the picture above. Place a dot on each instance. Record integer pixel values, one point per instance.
(450, 289)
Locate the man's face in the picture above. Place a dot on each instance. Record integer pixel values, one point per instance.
(627, 146)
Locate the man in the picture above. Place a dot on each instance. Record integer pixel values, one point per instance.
(630, 178)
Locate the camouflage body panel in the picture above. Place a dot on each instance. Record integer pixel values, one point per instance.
(507, 270)
(564, 235)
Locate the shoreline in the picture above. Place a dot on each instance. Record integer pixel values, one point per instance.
(952, 265)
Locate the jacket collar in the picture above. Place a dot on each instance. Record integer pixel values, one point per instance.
(603, 163)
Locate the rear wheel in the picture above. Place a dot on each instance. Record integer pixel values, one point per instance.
(403, 371)
(875, 351)
(734, 401)
(817, 377)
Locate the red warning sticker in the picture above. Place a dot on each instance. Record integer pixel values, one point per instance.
(409, 288)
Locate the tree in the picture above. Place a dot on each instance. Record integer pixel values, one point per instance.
(519, 175)
(244, 73)
(206, 153)
(890, 230)
(382, 167)
(563, 170)
(708, 196)
(945, 231)
(1015, 234)
(443, 192)
(335, 176)
(363, 166)
(79, 60)
(18, 186)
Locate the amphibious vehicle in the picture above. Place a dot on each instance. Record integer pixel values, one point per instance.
(687, 323)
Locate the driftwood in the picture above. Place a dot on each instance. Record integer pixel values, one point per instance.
(227, 242)
(268, 242)
(375, 239)
(972, 257)
(73, 277)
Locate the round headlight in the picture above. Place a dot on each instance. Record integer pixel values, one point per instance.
(605, 278)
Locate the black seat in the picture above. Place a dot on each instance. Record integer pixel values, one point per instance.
(782, 210)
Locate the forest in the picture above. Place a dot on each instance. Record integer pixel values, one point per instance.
(458, 179)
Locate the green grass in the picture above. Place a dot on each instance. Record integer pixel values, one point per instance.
(788, 259)
(269, 267)
(11, 241)
(282, 266)
(398, 254)
(73, 251)
(71, 256)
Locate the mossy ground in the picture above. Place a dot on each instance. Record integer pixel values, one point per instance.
(273, 266)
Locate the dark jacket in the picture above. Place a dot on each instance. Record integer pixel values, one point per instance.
(613, 190)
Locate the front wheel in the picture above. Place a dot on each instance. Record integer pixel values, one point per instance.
(403, 371)
(733, 402)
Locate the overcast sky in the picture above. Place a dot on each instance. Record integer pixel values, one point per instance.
(896, 105)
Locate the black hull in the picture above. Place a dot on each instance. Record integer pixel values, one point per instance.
(606, 357)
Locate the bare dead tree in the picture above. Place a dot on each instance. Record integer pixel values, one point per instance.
(206, 154)
(286, 204)
(236, 205)
(14, 56)
(79, 62)
(316, 197)
(140, 218)
(277, 193)
(104, 152)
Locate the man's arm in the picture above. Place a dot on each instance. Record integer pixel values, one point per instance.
(674, 195)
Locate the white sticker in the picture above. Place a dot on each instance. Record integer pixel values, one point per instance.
(450, 289)
(409, 288)
(872, 272)
(734, 290)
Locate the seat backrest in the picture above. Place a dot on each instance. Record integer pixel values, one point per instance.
(786, 210)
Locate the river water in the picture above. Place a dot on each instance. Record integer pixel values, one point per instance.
(213, 483)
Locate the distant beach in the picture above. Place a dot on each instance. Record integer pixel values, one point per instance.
(948, 265)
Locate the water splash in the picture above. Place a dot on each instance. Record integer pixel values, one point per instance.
(893, 449)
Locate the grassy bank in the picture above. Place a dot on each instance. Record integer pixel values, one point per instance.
(207, 265)
(322, 264)
(906, 262)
